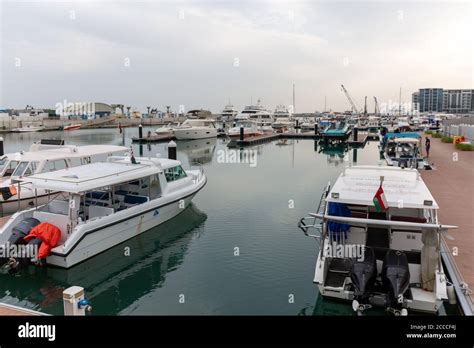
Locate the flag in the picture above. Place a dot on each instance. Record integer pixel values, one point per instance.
(379, 200)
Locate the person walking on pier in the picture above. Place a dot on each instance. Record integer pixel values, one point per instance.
(427, 147)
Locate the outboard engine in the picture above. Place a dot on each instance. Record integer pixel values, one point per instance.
(19, 232)
(396, 280)
(363, 275)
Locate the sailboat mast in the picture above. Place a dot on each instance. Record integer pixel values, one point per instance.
(294, 105)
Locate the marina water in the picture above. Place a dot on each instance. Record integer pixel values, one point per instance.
(236, 250)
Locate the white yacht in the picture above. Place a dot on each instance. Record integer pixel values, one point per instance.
(256, 113)
(165, 129)
(200, 128)
(15, 168)
(102, 205)
(228, 113)
(28, 129)
(282, 118)
(250, 127)
(379, 238)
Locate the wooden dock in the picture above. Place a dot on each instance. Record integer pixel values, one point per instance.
(452, 185)
(9, 310)
(153, 138)
(253, 140)
(359, 140)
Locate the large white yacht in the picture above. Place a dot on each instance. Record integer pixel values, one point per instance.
(228, 113)
(200, 128)
(282, 118)
(256, 113)
(15, 168)
(102, 205)
(379, 241)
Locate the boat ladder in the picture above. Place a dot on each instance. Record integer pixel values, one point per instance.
(310, 221)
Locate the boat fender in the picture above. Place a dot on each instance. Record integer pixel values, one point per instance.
(84, 304)
(451, 294)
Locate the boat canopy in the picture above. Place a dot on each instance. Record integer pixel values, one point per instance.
(405, 187)
(91, 176)
(402, 135)
(405, 140)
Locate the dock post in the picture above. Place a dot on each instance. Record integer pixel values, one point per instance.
(241, 133)
(1, 147)
(172, 150)
(297, 124)
(74, 302)
(315, 129)
(140, 131)
(355, 131)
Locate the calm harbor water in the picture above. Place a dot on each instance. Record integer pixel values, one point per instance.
(193, 257)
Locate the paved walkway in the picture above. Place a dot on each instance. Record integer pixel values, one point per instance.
(452, 185)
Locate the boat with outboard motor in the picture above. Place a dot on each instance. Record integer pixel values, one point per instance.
(379, 241)
(403, 150)
(101, 205)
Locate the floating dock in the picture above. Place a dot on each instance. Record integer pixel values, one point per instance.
(358, 139)
(269, 137)
(451, 186)
(7, 309)
(153, 138)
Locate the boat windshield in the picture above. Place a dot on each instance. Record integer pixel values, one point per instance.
(7, 167)
(25, 168)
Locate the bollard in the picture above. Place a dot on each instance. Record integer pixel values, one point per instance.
(1, 147)
(140, 131)
(315, 129)
(241, 133)
(74, 302)
(172, 150)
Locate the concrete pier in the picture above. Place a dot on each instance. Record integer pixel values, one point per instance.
(452, 185)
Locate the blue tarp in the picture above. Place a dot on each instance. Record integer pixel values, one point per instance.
(336, 229)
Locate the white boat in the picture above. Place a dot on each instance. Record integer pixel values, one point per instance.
(307, 124)
(166, 129)
(196, 129)
(256, 113)
(228, 113)
(404, 151)
(104, 204)
(250, 128)
(16, 194)
(282, 118)
(389, 258)
(28, 129)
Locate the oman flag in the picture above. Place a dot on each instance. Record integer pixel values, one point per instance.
(380, 201)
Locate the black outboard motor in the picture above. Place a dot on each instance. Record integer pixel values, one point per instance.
(18, 233)
(363, 275)
(396, 280)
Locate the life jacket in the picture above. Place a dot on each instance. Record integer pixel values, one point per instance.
(49, 236)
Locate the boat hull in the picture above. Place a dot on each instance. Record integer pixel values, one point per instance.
(192, 134)
(94, 238)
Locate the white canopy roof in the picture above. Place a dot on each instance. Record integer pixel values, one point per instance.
(67, 151)
(91, 176)
(358, 185)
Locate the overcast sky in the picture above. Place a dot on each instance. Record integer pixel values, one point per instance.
(203, 53)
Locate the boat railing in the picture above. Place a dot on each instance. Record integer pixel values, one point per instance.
(310, 222)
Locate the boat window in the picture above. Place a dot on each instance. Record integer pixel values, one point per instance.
(20, 168)
(175, 173)
(10, 168)
(155, 189)
(51, 166)
(3, 164)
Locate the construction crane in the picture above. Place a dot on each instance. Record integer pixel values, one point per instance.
(377, 109)
(354, 106)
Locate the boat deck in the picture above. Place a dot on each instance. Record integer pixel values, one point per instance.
(360, 140)
(453, 188)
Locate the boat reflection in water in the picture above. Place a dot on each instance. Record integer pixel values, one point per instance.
(335, 152)
(199, 150)
(115, 278)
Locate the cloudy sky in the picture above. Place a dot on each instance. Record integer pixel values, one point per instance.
(203, 53)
